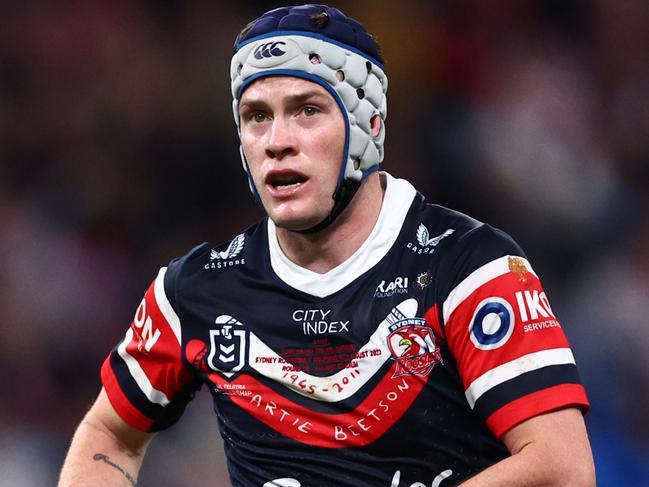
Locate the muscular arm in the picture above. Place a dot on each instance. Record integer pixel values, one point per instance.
(105, 450)
(547, 450)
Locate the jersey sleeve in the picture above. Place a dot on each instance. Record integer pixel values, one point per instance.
(144, 376)
(512, 355)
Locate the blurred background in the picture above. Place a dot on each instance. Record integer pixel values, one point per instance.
(118, 152)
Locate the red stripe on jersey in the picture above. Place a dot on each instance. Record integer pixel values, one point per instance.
(120, 402)
(389, 400)
(544, 401)
(432, 318)
(472, 361)
(162, 362)
(156, 350)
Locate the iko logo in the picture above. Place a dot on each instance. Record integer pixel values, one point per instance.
(397, 286)
(227, 346)
(533, 305)
(492, 324)
(425, 244)
(222, 259)
(269, 49)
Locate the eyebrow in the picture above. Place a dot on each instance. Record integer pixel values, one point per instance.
(295, 99)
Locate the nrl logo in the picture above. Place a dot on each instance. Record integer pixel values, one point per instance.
(227, 258)
(425, 243)
(227, 346)
(412, 344)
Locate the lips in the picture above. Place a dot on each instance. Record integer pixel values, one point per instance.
(284, 182)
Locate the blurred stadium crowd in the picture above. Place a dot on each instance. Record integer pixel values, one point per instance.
(118, 152)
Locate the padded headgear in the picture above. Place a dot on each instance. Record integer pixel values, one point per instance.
(339, 55)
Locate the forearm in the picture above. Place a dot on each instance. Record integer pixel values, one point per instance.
(96, 458)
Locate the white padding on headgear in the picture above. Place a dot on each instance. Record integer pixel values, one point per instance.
(361, 92)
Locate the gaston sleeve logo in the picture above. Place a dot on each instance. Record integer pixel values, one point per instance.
(232, 251)
(425, 243)
(425, 240)
(228, 257)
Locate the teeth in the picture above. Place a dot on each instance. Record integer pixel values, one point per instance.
(287, 186)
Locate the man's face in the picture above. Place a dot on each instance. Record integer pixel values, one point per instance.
(293, 135)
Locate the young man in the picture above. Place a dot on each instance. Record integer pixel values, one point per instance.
(364, 339)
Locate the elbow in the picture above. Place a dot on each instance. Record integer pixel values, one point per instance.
(582, 474)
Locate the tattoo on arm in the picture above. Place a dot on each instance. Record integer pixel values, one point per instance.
(100, 457)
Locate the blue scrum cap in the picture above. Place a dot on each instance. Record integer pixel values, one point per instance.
(322, 45)
(340, 28)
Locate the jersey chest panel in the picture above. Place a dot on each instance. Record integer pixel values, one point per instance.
(356, 387)
(328, 379)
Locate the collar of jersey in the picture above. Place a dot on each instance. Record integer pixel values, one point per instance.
(398, 197)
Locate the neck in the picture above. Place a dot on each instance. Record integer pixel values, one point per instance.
(322, 251)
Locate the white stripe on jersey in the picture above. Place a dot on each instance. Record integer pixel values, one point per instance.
(476, 279)
(515, 368)
(165, 306)
(324, 387)
(397, 200)
(152, 394)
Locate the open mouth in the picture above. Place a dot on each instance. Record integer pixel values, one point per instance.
(282, 180)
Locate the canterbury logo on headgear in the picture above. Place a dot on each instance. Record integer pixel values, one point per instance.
(269, 49)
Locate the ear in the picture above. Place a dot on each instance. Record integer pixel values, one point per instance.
(375, 125)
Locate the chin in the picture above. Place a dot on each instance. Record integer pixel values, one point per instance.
(295, 221)
(295, 217)
(296, 224)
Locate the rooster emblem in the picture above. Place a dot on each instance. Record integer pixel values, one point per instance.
(232, 251)
(413, 347)
(517, 266)
(415, 342)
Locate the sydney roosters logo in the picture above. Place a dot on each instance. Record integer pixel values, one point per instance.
(412, 344)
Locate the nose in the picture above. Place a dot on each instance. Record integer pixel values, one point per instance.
(281, 140)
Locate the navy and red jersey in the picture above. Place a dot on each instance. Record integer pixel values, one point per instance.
(404, 365)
